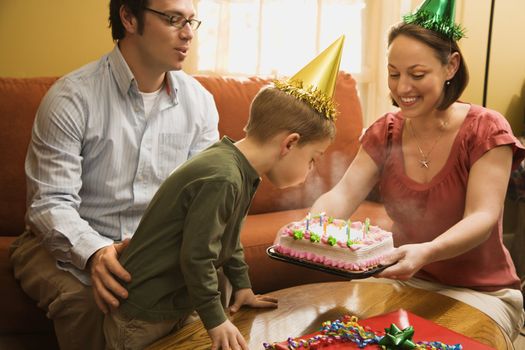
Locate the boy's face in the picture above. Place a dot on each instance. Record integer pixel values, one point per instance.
(296, 162)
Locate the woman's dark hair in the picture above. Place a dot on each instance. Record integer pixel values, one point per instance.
(136, 7)
(442, 47)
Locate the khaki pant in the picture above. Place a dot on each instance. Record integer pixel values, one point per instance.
(127, 333)
(66, 301)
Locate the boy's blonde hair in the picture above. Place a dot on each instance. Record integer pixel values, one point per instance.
(273, 111)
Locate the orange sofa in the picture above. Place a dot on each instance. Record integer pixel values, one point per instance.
(24, 326)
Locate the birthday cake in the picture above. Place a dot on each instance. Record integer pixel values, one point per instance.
(335, 243)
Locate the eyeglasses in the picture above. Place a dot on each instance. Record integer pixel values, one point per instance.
(177, 21)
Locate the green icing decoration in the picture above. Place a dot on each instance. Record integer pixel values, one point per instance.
(330, 219)
(298, 234)
(350, 242)
(332, 240)
(314, 238)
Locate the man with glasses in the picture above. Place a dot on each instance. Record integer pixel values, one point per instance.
(104, 138)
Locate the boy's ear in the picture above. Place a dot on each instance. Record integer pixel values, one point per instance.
(289, 142)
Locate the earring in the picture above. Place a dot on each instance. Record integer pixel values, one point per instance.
(447, 83)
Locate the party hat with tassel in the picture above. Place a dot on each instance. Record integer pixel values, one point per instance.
(315, 83)
(438, 16)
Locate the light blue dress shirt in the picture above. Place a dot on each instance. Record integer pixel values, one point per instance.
(95, 160)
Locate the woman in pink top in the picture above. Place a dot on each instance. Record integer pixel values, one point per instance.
(442, 167)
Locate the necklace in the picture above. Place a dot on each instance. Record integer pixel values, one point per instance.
(424, 162)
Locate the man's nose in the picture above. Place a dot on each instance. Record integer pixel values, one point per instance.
(186, 33)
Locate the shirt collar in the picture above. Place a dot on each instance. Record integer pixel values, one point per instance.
(125, 79)
(251, 173)
(172, 86)
(121, 71)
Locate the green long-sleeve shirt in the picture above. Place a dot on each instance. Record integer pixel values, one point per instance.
(190, 229)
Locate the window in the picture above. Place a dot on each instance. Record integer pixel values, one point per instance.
(278, 37)
(271, 37)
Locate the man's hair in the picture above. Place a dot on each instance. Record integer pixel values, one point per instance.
(273, 111)
(135, 7)
(443, 48)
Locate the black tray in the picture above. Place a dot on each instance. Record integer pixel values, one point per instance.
(272, 253)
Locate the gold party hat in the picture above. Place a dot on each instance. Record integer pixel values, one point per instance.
(315, 83)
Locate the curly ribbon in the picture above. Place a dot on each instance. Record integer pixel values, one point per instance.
(348, 330)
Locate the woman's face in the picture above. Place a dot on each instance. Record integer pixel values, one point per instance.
(416, 77)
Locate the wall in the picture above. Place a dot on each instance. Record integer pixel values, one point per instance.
(506, 79)
(474, 16)
(48, 38)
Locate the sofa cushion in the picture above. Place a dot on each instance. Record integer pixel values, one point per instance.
(19, 100)
(233, 97)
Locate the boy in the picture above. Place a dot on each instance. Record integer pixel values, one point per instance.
(191, 227)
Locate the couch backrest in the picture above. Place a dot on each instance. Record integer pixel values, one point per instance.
(19, 100)
(20, 97)
(233, 97)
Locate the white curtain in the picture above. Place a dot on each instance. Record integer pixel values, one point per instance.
(278, 37)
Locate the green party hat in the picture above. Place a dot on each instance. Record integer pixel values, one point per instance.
(315, 82)
(438, 16)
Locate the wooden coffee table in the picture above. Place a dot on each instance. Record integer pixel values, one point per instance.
(303, 308)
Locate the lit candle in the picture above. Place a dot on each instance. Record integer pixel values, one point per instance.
(308, 216)
(348, 223)
(366, 227)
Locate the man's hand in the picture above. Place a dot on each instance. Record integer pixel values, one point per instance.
(246, 297)
(104, 266)
(226, 336)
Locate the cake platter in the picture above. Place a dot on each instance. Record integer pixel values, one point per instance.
(274, 254)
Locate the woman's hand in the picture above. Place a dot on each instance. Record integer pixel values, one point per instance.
(246, 297)
(407, 259)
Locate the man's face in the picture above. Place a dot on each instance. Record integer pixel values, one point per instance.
(163, 47)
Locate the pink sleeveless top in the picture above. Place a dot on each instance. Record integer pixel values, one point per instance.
(421, 212)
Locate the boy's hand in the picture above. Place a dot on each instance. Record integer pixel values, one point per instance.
(226, 336)
(104, 266)
(246, 297)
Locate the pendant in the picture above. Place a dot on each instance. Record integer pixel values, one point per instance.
(424, 162)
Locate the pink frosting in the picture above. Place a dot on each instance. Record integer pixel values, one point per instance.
(361, 266)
